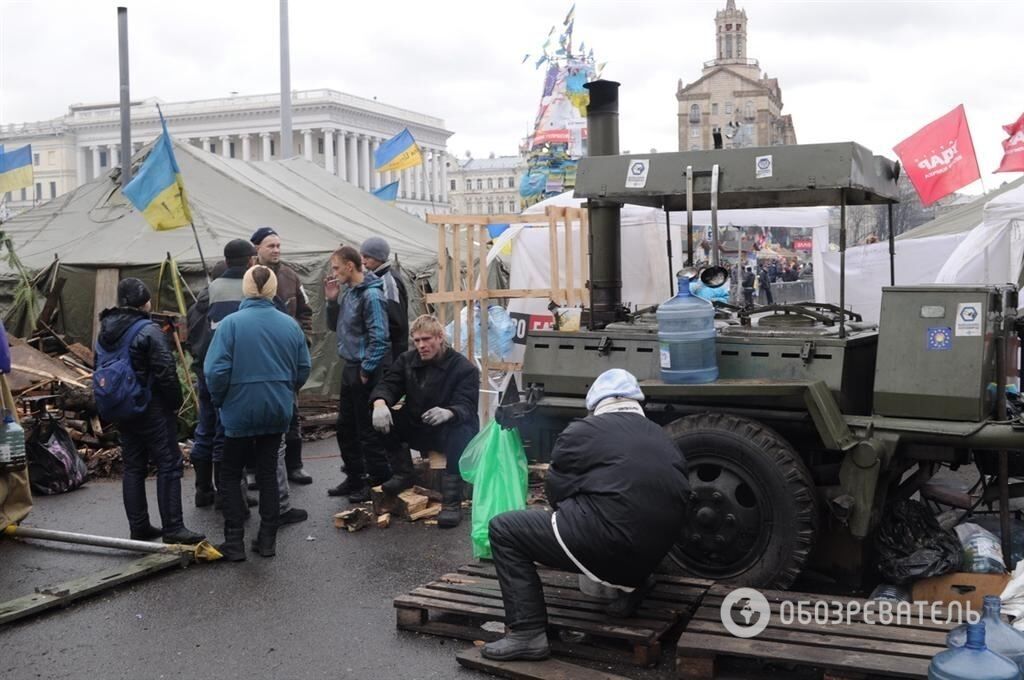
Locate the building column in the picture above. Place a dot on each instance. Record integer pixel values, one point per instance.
(95, 161)
(435, 174)
(342, 156)
(364, 162)
(307, 144)
(405, 183)
(81, 167)
(444, 178)
(265, 140)
(329, 150)
(352, 141)
(225, 146)
(205, 143)
(375, 177)
(246, 148)
(112, 155)
(418, 181)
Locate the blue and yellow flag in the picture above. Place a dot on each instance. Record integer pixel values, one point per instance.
(157, 190)
(398, 153)
(16, 169)
(388, 192)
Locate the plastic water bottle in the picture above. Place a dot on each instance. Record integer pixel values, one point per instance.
(686, 334)
(12, 444)
(973, 661)
(1000, 637)
(501, 331)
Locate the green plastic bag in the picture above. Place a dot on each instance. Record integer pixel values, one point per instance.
(494, 462)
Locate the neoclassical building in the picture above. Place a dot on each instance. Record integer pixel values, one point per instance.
(485, 186)
(339, 131)
(732, 96)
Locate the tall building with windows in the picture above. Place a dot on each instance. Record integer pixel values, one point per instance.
(338, 131)
(485, 186)
(732, 97)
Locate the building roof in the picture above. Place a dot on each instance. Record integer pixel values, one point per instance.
(484, 164)
(962, 218)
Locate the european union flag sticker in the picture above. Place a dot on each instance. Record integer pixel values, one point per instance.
(940, 338)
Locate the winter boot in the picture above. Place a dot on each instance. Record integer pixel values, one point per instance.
(351, 484)
(451, 502)
(233, 547)
(403, 474)
(266, 541)
(362, 493)
(524, 644)
(146, 533)
(204, 483)
(184, 537)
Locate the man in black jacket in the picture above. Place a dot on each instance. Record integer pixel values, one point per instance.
(375, 252)
(619, 490)
(442, 393)
(153, 436)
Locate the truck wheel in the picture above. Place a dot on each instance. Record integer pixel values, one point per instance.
(753, 513)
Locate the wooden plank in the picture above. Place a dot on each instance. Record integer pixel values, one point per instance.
(463, 220)
(530, 670)
(69, 591)
(52, 300)
(570, 265)
(462, 296)
(470, 285)
(556, 287)
(457, 286)
(485, 317)
(699, 645)
(442, 269)
(83, 353)
(104, 296)
(556, 575)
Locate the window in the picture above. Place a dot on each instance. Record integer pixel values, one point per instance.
(748, 110)
(271, 147)
(103, 159)
(452, 185)
(511, 182)
(479, 185)
(728, 108)
(231, 149)
(695, 113)
(511, 206)
(739, 26)
(728, 27)
(714, 109)
(320, 146)
(695, 133)
(53, 190)
(728, 46)
(490, 182)
(39, 191)
(35, 159)
(213, 147)
(501, 182)
(469, 185)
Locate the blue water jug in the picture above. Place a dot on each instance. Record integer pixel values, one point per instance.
(12, 444)
(686, 334)
(1000, 636)
(973, 661)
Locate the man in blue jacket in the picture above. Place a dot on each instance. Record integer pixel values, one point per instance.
(257, 361)
(361, 322)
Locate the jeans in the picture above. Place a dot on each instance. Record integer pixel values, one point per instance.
(519, 539)
(208, 441)
(260, 452)
(152, 438)
(360, 445)
(293, 440)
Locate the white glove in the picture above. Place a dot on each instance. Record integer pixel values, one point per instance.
(382, 418)
(437, 416)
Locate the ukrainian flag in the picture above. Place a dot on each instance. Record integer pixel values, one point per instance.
(16, 169)
(398, 153)
(388, 192)
(157, 190)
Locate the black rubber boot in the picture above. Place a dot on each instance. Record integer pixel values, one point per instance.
(525, 644)
(362, 493)
(184, 537)
(146, 533)
(233, 547)
(351, 484)
(403, 474)
(451, 502)
(204, 483)
(266, 541)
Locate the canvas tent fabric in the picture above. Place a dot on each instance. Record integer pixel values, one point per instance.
(977, 243)
(94, 227)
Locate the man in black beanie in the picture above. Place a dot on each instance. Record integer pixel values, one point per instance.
(296, 304)
(152, 436)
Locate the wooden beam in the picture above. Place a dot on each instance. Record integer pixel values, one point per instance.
(104, 296)
(457, 285)
(470, 286)
(570, 269)
(442, 268)
(465, 220)
(549, 669)
(485, 318)
(553, 254)
(462, 296)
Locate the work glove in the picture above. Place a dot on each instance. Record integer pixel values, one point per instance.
(437, 416)
(382, 418)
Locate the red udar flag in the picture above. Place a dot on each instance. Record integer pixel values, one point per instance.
(939, 158)
(1013, 148)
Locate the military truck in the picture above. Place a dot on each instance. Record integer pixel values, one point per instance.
(818, 420)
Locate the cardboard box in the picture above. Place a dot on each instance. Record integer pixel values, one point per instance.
(960, 586)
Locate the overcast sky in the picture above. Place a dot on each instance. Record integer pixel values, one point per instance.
(871, 72)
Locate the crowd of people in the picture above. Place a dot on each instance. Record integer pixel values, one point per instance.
(249, 334)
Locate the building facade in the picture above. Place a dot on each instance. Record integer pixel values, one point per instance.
(732, 98)
(339, 131)
(485, 186)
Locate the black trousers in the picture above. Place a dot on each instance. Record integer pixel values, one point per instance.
(152, 438)
(259, 452)
(293, 441)
(519, 539)
(361, 446)
(449, 438)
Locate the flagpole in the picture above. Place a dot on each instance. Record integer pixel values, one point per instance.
(199, 247)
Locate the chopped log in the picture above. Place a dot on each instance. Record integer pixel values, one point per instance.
(410, 502)
(382, 503)
(438, 461)
(384, 521)
(75, 424)
(432, 494)
(431, 511)
(97, 428)
(78, 399)
(353, 520)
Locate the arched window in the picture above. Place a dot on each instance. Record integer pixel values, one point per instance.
(695, 113)
(748, 110)
(728, 46)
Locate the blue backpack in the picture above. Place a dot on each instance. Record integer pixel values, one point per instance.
(118, 393)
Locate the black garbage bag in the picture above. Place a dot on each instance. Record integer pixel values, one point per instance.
(911, 545)
(54, 465)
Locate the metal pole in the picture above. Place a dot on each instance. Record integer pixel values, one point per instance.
(199, 247)
(842, 263)
(1004, 465)
(200, 551)
(286, 86)
(668, 248)
(689, 215)
(126, 119)
(714, 215)
(892, 249)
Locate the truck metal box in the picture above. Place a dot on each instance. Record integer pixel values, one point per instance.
(935, 354)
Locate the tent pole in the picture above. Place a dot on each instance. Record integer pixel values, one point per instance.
(892, 249)
(668, 248)
(842, 263)
(206, 270)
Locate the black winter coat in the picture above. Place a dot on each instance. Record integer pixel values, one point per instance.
(619, 486)
(149, 352)
(449, 381)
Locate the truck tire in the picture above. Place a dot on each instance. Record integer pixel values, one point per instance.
(753, 514)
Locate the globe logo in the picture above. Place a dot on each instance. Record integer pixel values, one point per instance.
(752, 613)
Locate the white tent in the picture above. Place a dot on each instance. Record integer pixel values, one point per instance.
(979, 243)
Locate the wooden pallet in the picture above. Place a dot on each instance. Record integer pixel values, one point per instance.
(841, 650)
(456, 604)
(549, 669)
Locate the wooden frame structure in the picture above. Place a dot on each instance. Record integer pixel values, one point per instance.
(462, 247)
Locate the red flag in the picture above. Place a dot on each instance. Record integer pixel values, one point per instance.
(939, 158)
(1013, 148)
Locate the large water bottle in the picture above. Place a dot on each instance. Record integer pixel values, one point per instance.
(686, 333)
(1000, 636)
(12, 444)
(973, 661)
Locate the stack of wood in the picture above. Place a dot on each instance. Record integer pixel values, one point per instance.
(417, 503)
(317, 415)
